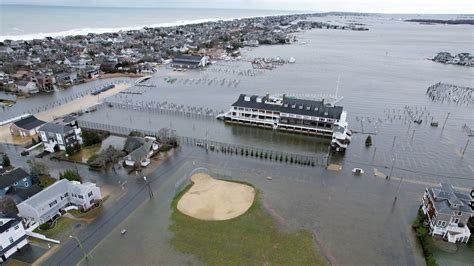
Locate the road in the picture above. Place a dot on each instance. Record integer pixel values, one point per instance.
(70, 254)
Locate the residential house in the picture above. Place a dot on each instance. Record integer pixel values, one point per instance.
(12, 235)
(25, 127)
(16, 178)
(140, 150)
(67, 78)
(52, 201)
(189, 61)
(448, 212)
(59, 137)
(45, 82)
(27, 86)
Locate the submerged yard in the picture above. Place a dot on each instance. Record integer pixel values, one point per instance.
(250, 239)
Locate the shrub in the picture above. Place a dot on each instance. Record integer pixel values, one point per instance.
(90, 138)
(136, 133)
(6, 161)
(45, 226)
(368, 141)
(70, 175)
(165, 147)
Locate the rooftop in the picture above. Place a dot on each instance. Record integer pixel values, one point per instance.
(447, 199)
(9, 178)
(289, 105)
(29, 123)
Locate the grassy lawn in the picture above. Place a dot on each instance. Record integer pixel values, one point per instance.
(92, 214)
(45, 181)
(59, 226)
(250, 239)
(85, 153)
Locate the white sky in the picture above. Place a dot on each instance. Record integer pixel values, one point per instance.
(376, 6)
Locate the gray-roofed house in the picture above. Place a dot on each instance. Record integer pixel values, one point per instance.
(140, 150)
(189, 61)
(58, 137)
(61, 196)
(12, 235)
(25, 127)
(448, 212)
(16, 178)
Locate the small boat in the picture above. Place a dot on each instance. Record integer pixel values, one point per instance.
(358, 171)
(418, 121)
(292, 60)
(123, 232)
(434, 124)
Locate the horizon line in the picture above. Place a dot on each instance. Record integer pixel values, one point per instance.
(224, 8)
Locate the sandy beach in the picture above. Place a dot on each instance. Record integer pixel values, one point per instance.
(67, 108)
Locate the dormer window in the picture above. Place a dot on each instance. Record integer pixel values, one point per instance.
(316, 109)
(301, 107)
(308, 108)
(325, 113)
(247, 98)
(286, 105)
(293, 106)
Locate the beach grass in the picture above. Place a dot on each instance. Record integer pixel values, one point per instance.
(250, 239)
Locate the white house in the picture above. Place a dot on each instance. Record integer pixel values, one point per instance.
(53, 200)
(140, 150)
(448, 212)
(12, 235)
(58, 137)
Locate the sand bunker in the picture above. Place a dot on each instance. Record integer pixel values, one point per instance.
(215, 200)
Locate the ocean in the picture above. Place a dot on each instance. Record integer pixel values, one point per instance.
(20, 22)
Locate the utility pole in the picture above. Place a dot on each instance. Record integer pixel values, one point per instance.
(373, 158)
(150, 192)
(398, 189)
(465, 147)
(446, 120)
(80, 246)
(329, 156)
(393, 144)
(391, 168)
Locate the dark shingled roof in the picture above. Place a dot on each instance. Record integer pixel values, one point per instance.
(187, 59)
(133, 143)
(29, 123)
(292, 106)
(15, 220)
(8, 178)
(22, 194)
(446, 197)
(56, 128)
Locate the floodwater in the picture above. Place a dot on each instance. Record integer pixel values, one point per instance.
(382, 73)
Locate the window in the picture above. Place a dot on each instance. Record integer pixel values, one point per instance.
(89, 194)
(81, 197)
(459, 213)
(16, 227)
(441, 223)
(11, 240)
(26, 184)
(456, 220)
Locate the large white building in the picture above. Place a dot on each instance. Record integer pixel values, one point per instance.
(12, 236)
(291, 114)
(52, 201)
